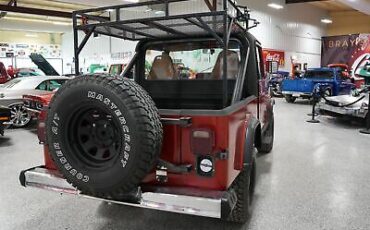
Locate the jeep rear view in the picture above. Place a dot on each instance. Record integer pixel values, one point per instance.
(178, 130)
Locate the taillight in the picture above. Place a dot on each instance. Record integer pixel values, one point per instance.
(202, 144)
(41, 127)
(202, 141)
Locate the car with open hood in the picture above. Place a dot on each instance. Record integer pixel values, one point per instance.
(353, 106)
(11, 94)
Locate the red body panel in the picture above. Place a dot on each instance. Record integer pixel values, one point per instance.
(229, 131)
(43, 98)
(4, 77)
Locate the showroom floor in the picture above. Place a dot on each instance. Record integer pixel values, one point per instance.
(317, 177)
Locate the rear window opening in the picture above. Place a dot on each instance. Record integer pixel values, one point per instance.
(189, 75)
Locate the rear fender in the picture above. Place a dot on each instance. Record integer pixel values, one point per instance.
(251, 131)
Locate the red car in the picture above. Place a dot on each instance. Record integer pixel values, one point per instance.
(4, 77)
(358, 81)
(161, 141)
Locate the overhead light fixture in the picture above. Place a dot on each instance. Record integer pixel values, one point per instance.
(38, 21)
(62, 23)
(31, 35)
(275, 6)
(326, 21)
(133, 1)
(159, 12)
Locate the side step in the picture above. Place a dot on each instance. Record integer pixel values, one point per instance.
(215, 204)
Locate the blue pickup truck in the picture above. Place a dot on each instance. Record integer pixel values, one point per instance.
(331, 81)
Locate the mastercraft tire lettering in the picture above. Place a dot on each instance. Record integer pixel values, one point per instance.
(104, 134)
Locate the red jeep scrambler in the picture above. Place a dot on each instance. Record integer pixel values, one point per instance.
(162, 141)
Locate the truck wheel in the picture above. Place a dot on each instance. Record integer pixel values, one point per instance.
(104, 134)
(290, 98)
(243, 186)
(268, 138)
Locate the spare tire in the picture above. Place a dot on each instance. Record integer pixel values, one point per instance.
(104, 134)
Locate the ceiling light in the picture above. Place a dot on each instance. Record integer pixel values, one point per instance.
(326, 21)
(159, 12)
(38, 21)
(31, 35)
(275, 6)
(133, 1)
(62, 23)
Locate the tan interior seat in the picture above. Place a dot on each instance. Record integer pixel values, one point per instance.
(232, 65)
(162, 68)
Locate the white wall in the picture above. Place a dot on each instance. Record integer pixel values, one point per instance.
(97, 51)
(296, 29)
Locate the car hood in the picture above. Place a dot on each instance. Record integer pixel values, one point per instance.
(43, 64)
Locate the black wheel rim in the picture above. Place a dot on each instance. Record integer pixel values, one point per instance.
(95, 138)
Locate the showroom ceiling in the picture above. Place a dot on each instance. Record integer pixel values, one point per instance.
(331, 5)
(362, 6)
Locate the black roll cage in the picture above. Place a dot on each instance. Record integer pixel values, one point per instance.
(219, 24)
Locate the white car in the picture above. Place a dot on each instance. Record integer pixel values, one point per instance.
(11, 94)
(346, 105)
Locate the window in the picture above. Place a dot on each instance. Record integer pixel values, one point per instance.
(319, 74)
(55, 84)
(189, 74)
(43, 86)
(51, 85)
(202, 60)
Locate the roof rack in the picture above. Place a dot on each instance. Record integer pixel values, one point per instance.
(163, 19)
(160, 19)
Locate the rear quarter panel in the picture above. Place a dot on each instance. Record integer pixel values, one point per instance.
(227, 130)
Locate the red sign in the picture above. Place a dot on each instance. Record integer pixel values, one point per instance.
(274, 55)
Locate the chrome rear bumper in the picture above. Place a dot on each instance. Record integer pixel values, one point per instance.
(215, 204)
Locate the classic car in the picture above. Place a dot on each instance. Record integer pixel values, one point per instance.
(355, 105)
(4, 77)
(330, 81)
(357, 80)
(36, 101)
(28, 72)
(4, 118)
(11, 94)
(275, 83)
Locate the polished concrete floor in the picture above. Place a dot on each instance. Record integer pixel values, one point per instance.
(317, 177)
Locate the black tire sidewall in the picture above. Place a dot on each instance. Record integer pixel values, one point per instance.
(64, 156)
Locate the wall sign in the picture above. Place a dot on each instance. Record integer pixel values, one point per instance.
(24, 50)
(274, 56)
(345, 49)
